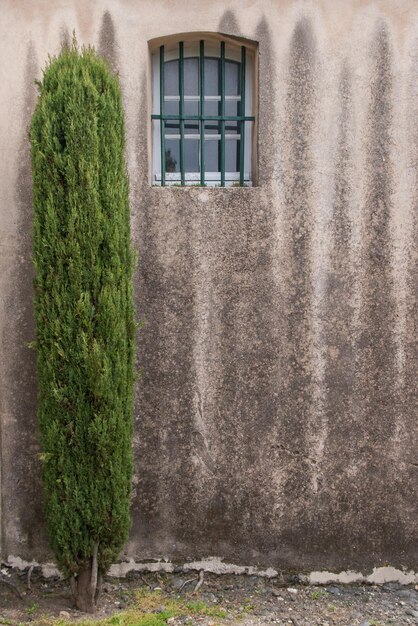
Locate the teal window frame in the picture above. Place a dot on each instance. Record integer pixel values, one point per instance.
(202, 118)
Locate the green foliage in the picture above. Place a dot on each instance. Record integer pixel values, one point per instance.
(84, 307)
(316, 594)
(32, 608)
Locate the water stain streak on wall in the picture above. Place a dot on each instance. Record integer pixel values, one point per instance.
(276, 415)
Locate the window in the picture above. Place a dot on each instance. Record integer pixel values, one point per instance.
(202, 113)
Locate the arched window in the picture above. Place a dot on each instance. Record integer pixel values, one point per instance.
(203, 112)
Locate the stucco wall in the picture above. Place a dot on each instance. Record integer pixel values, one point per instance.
(276, 418)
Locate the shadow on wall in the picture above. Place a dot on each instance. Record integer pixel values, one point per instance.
(20, 441)
(107, 42)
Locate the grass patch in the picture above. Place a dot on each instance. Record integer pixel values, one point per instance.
(149, 608)
(32, 608)
(317, 594)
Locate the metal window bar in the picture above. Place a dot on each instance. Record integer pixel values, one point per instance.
(202, 118)
(242, 112)
(226, 118)
(162, 119)
(181, 110)
(222, 75)
(202, 111)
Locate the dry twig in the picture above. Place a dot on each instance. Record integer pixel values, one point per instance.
(200, 581)
(145, 582)
(187, 582)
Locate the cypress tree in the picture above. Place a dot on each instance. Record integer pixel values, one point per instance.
(85, 329)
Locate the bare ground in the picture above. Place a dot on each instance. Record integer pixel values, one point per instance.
(159, 599)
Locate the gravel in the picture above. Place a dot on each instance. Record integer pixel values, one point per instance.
(247, 600)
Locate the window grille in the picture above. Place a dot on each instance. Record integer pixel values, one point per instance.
(203, 122)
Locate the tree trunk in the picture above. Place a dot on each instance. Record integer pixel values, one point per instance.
(87, 587)
(85, 599)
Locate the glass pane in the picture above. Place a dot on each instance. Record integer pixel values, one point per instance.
(212, 154)
(212, 127)
(191, 76)
(232, 108)
(191, 107)
(172, 127)
(232, 78)
(171, 107)
(191, 127)
(231, 155)
(212, 77)
(171, 78)
(212, 107)
(172, 155)
(191, 155)
(231, 128)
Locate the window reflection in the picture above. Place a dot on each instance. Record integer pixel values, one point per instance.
(212, 77)
(171, 78)
(172, 155)
(191, 76)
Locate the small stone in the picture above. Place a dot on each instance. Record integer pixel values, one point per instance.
(392, 586)
(65, 615)
(411, 612)
(334, 590)
(177, 583)
(408, 594)
(292, 590)
(366, 623)
(276, 593)
(171, 620)
(295, 579)
(210, 597)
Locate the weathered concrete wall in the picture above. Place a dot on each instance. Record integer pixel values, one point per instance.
(276, 419)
